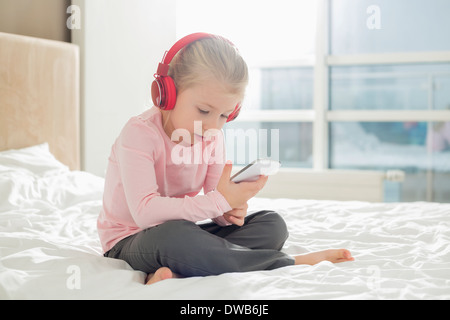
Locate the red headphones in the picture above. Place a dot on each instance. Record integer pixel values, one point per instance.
(164, 93)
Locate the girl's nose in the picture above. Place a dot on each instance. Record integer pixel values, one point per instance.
(211, 130)
(211, 124)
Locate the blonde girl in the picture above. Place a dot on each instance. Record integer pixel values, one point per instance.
(152, 204)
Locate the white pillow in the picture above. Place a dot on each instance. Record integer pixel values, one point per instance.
(37, 159)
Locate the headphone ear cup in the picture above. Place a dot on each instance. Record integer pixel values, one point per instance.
(170, 92)
(235, 113)
(164, 93)
(156, 92)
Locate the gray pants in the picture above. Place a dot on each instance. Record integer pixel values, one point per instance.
(190, 249)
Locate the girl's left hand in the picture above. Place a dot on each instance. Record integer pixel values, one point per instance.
(236, 216)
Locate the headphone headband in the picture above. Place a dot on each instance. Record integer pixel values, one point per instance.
(163, 67)
(180, 44)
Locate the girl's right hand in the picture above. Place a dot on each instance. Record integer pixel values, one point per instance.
(237, 194)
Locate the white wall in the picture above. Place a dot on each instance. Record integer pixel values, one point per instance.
(121, 43)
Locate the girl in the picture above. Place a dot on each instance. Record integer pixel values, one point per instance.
(151, 204)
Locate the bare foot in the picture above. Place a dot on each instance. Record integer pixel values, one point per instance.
(160, 274)
(332, 255)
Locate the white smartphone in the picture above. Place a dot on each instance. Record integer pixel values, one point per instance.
(255, 169)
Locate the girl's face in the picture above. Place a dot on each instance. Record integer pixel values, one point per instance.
(206, 106)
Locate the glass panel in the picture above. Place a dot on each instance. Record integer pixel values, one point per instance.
(289, 142)
(393, 87)
(439, 144)
(441, 96)
(286, 88)
(367, 26)
(421, 149)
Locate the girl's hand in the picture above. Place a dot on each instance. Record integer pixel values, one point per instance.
(237, 194)
(236, 216)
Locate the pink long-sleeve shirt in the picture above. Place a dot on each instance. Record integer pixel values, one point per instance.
(148, 182)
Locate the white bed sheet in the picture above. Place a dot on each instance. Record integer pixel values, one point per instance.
(49, 248)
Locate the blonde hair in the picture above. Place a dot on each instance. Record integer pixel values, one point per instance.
(206, 59)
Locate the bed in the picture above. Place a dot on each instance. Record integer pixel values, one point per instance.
(49, 247)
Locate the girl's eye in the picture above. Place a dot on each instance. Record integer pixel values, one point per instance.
(203, 111)
(224, 116)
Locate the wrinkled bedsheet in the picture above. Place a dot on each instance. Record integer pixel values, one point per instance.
(49, 247)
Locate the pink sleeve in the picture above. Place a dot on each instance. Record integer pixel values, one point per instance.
(212, 178)
(136, 156)
(215, 168)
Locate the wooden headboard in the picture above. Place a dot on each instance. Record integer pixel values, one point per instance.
(40, 96)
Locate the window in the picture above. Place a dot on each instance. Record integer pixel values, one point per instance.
(353, 84)
(388, 90)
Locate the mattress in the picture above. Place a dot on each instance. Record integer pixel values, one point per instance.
(49, 247)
